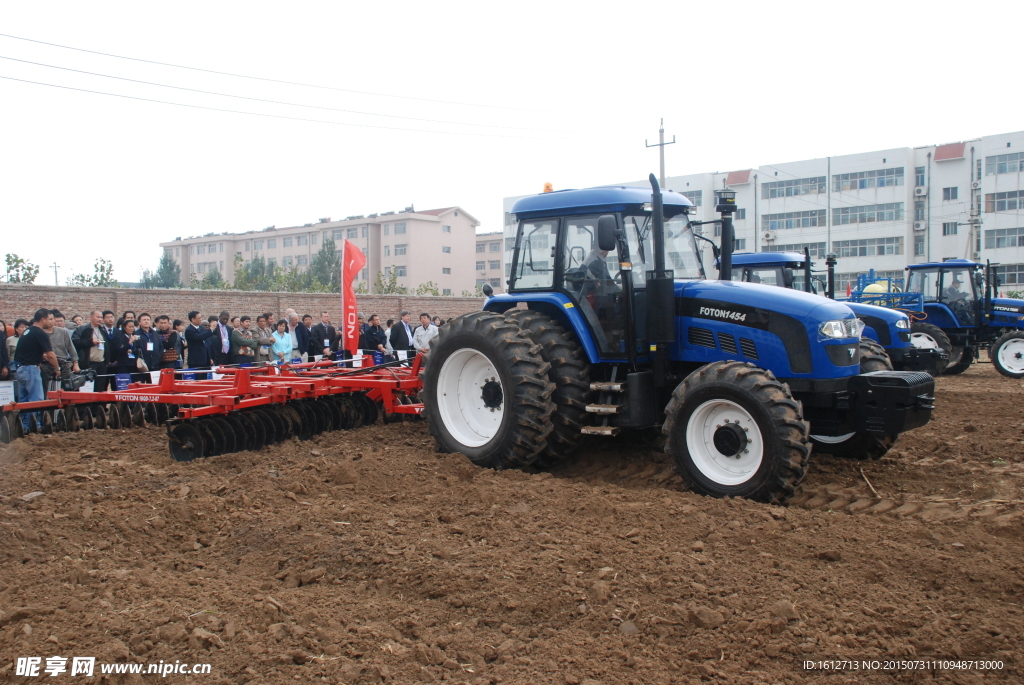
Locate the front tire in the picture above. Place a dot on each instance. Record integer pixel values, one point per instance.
(486, 392)
(966, 358)
(930, 337)
(860, 446)
(735, 431)
(1008, 354)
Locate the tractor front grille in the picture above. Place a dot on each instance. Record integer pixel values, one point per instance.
(749, 348)
(702, 337)
(727, 343)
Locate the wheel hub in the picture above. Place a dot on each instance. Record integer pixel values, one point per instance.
(491, 394)
(730, 439)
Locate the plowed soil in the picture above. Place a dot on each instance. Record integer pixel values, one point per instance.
(366, 556)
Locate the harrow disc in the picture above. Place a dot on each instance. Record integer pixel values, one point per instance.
(253, 429)
(328, 413)
(149, 412)
(282, 425)
(211, 438)
(74, 419)
(125, 413)
(268, 420)
(331, 404)
(85, 415)
(353, 408)
(5, 428)
(229, 441)
(243, 434)
(45, 422)
(60, 421)
(33, 425)
(138, 416)
(369, 409)
(292, 419)
(160, 410)
(306, 423)
(324, 422)
(319, 424)
(185, 441)
(113, 417)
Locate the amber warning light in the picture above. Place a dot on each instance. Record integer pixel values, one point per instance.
(548, 188)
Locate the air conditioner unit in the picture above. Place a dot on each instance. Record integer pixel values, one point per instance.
(977, 256)
(975, 185)
(919, 226)
(769, 236)
(920, 191)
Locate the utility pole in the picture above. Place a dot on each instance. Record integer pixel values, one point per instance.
(54, 267)
(661, 145)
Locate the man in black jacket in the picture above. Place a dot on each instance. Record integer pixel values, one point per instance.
(149, 346)
(401, 335)
(196, 336)
(323, 338)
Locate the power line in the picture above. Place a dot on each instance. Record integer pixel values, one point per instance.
(276, 102)
(270, 80)
(272, 116)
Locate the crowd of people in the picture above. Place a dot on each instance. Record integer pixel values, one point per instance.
(43, 353)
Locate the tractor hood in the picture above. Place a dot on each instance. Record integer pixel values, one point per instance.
(804, 307)
(890, 316)
(1006, 310)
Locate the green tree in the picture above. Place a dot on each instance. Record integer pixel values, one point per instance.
(257, 274)
(213, 280)
(388, 284)
(167, 274)
(325, 269)
(476, 292)
(102, 276)
(296, 280)
(428, 288)
(20, 270)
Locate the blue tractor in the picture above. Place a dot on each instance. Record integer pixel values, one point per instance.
(887, 332)
(956, 308)
(610, 323)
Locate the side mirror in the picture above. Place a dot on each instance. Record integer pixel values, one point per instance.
(979, 280)
(787, 277)
(607, 233)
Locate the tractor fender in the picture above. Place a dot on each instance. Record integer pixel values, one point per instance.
(560, 308)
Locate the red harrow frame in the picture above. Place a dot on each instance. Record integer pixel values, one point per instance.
(246, 408)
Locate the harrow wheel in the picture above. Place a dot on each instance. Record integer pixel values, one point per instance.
(243, 435)
(227, 434)
(185, 441)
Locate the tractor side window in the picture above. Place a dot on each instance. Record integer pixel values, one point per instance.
(593, 279)
(536, 266)
(583, 261)
(763, 276)
(957, 286)
(924, 282)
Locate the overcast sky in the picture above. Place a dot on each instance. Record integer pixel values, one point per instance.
(550, 91)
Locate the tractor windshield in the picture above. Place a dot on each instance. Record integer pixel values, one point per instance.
(680, 248)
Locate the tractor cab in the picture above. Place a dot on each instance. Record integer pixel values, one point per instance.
(782, 269)
(952, 292)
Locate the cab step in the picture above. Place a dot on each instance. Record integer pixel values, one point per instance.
(607, 431)
(604, 386)
(604, 408)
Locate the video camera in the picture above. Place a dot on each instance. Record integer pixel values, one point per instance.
(77, 380)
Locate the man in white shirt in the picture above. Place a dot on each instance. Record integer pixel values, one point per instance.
(426, 332)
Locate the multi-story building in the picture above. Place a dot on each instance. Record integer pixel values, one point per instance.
(876, 210)
(490, 260)
(433, 245)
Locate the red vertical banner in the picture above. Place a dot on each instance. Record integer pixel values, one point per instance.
(352, 261)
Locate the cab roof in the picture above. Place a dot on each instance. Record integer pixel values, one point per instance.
(748, 258)
(600, 199)
(948, 264)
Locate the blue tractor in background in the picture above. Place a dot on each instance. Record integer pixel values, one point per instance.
(610, 323)
(887, 332)
(955, 307)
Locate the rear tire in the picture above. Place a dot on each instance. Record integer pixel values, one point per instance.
(718, 407)
(1008, 354)
(967, 355)
(486, 392)
(930, 337)
(570, 373)
(860, 446)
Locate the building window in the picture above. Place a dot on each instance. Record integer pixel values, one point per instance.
(481, 266)
(481, 281)
(366, 274)
(918, 245)
(446, 292)
(798, 186)
(446, 249)
(979, 170)
(495, 247)
(336, 234)
(400, 271)
(364, 231)
(287, 261)
(271, 243)
(286, 242)
(1004, 237)
(919, 176)
(949, 193)
(301, 240)
(446, 229)
(248, 246)
(1004, 164)
(773, 222)
(694, 196)
(494, 264)
(352, 233)
(400, 250)
(877, 178)
(302, 260)
(495, 282)
(257, 245)
(387, 250)
(815, 249)
(739, 244)
(741, 214)
(400, 228)
(387, 229)
(510, 244)
(949, 228)
(919, 210)
(1004, 202)
(892, 211)
(446, 270)
(868, 247)
(481, 247)
(200, 249)
(1010, 274)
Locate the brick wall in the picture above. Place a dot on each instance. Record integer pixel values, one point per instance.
(21, 300)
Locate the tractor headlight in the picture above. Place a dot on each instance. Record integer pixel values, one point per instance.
(841, 328)
(903, 323)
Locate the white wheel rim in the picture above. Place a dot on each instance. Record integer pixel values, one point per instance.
(923, 341)
(833, 439)
(721, 468)
(459, 389)
(1011, 355)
